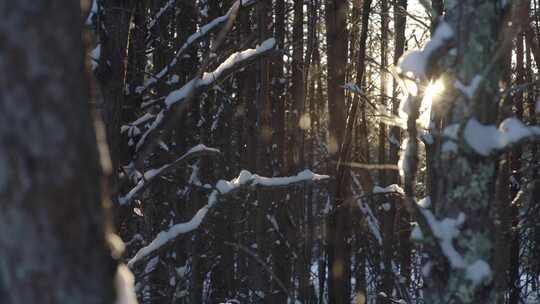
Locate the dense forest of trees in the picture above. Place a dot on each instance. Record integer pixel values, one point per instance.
(270, 151)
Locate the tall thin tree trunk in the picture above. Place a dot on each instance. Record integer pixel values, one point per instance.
(115, 20)
(388, 214)
(338, 223)
(264, 142)
(365, 177)
(402, 215)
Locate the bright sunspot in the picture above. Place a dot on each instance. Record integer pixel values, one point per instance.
(431, 94)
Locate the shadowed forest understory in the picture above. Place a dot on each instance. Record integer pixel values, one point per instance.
(270, 151)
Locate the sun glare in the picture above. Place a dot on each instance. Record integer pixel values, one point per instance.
(431, 94)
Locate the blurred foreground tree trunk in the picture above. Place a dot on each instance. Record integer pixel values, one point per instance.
(52, 233)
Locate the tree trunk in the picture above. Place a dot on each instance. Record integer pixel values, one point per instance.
(115, 19)
(338, 223)
(264, 142)
(468, 178)
(52, 233)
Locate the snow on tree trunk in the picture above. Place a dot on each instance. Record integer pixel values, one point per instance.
(459, 269)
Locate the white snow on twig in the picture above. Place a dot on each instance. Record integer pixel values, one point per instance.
(140, 120)
(160, 13)
(165, 236)
(373, 223)
(200, 148)
(206, 80)
(152, 173)
(203, 31)
(209, 78)
(154, 125)
(388, 189)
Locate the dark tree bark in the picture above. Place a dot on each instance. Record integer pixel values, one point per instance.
(387, 216)
(402, 216)
(515, 180)
(282, 255)
(338, 223)
(264, 143)
(365, 178)
(278, 91)
(114, 22)
(52, 232)
(296, 136)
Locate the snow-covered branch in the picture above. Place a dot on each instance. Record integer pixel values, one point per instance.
(222, 188)
(152, 174)
(160, 13)
(191, 40)
(231, 64)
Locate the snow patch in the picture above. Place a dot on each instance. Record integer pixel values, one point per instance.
(485, 139)
(469, 90)
(413, 62)
(403, 163)
(388, 189)
(416, 233)
(478, 272)
(425, 202)
(445, 231)
(95, 54)
(93, 12)
(416, 61)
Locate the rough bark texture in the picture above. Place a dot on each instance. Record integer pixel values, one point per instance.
(52, 239)
(467, 180)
